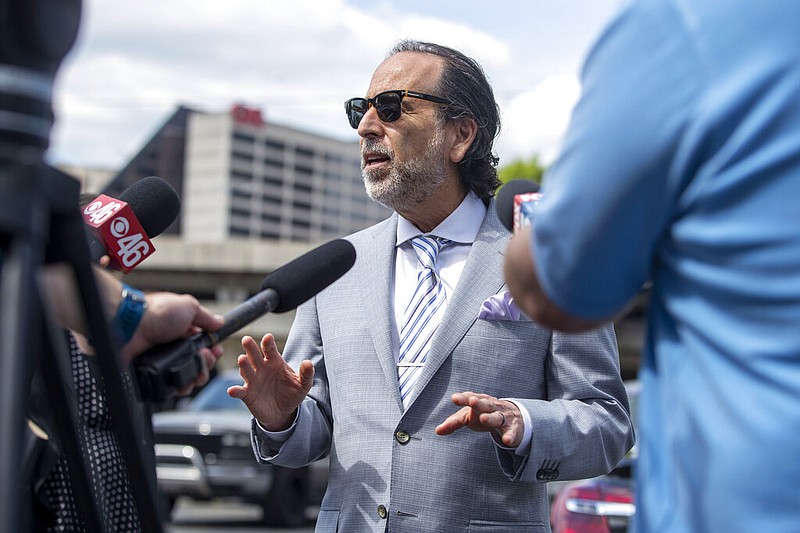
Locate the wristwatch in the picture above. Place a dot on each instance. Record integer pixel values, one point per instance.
(129, 313)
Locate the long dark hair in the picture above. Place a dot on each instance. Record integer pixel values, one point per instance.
(464, 83)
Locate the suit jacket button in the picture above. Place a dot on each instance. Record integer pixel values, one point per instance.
(402, 437)
(547, 474)
(382, 512)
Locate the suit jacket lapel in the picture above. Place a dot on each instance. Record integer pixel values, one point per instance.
(482, 277)
(379, 259)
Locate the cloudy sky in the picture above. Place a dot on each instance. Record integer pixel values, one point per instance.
(298, 60)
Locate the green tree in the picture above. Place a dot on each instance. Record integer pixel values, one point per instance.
(528, 169)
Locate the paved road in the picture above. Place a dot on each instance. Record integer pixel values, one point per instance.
(223, 516)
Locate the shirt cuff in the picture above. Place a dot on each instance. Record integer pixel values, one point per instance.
(527, 432)
(277, 437)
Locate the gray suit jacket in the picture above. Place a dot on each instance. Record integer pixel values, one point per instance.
(388, 467)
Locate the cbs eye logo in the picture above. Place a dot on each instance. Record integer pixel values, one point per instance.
(132, 248)
(120, 227)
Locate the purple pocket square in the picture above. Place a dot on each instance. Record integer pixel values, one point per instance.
(500, 306)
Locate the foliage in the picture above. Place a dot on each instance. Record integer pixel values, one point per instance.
(530, 169)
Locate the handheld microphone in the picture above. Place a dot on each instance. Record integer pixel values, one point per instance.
(168, 367)
(516, 201)
(121, 228)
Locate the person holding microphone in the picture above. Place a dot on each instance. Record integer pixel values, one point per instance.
(681, 169)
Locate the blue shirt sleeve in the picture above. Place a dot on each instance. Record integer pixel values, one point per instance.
(609, 196)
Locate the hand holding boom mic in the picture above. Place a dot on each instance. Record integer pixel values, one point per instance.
(170, 367)
(122, 227)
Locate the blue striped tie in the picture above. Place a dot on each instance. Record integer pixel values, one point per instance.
(422, 315)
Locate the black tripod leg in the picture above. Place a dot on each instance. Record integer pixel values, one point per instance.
(20, 228)
(16, 317)
(25, 230)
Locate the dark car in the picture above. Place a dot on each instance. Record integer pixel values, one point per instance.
(604, 504)
(203, 451)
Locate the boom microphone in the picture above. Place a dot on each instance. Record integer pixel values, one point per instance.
(515, 201)
(172, 366)
(289, 286)
(121, 228)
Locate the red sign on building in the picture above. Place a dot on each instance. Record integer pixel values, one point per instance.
(247, 115)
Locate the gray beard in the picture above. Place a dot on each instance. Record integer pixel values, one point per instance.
(406, 184)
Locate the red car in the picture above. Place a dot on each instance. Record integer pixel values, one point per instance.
(604, 504)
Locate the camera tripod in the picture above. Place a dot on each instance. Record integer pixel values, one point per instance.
(40, 227)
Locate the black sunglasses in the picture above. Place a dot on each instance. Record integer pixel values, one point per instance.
(387, 104)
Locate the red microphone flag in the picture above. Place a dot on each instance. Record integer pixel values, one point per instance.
(119, 230)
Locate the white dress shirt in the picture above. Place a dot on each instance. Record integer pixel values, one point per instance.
(461, 227)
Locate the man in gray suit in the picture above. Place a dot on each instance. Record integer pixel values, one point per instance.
(371, 381)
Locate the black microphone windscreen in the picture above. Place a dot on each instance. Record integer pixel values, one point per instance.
(505, 199)
(154, 202)
(300, 279)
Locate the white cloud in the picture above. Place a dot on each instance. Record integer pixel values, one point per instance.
(297, 60)
(535, 121)
(489, 51)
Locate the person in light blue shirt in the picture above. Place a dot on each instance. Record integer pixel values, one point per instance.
(681, 167)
